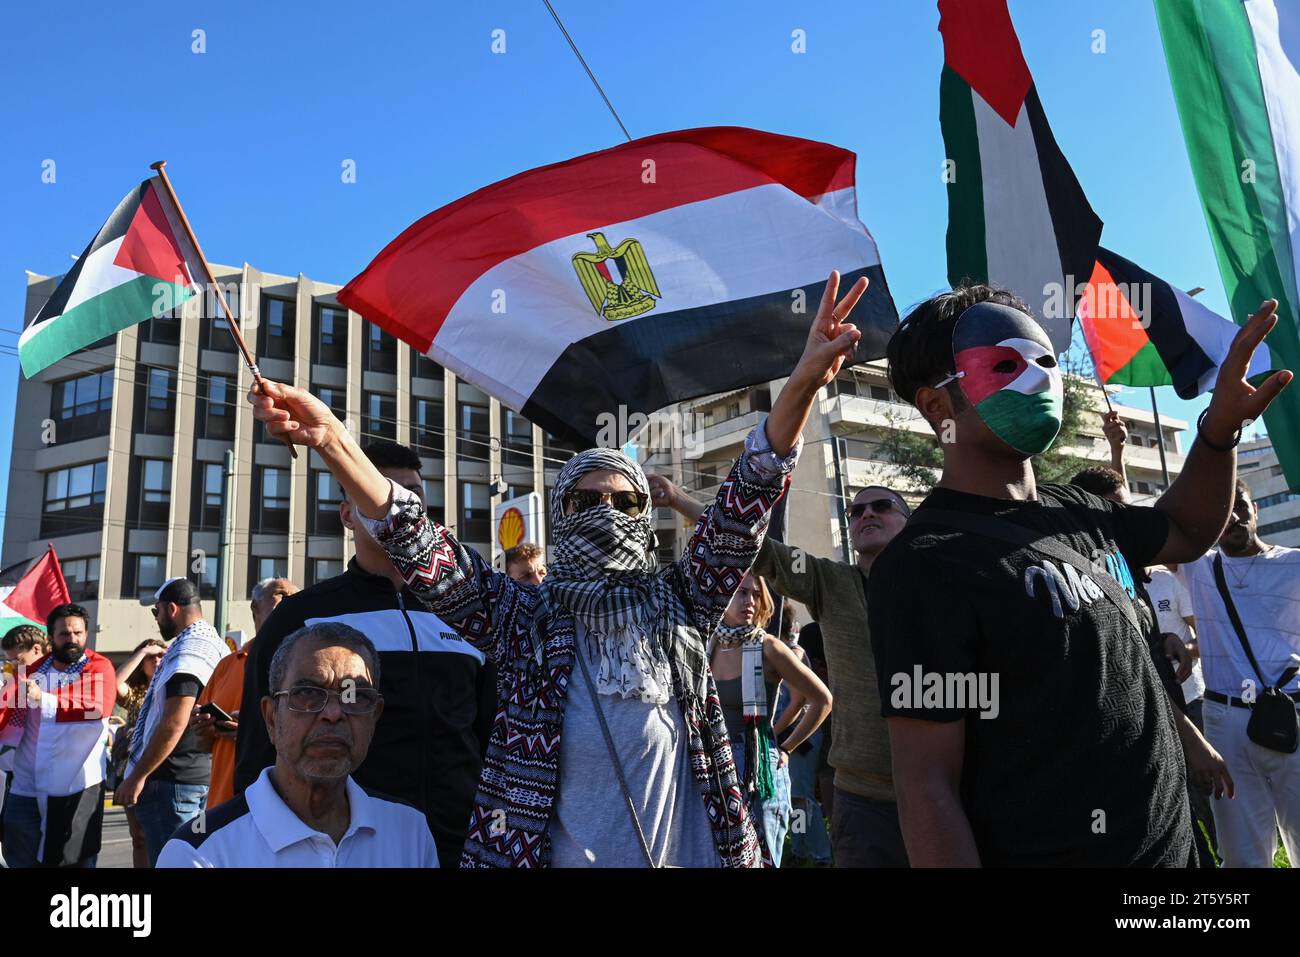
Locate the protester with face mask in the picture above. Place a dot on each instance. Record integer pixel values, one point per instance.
(1027, 723)
(167, 772)
(610, 747)
(55, 715)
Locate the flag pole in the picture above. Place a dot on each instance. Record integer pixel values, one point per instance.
(238, 336)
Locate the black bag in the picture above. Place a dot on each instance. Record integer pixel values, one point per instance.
(1274, 722)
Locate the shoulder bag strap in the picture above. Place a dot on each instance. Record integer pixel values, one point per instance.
(613, 754)
(1037, 541)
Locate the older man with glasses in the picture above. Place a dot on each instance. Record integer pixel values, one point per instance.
(305, 810)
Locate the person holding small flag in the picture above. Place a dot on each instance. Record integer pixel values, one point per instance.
(610, 746)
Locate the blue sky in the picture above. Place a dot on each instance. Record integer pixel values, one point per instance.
(256, 128)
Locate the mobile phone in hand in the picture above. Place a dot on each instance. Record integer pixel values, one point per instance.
(215, 712)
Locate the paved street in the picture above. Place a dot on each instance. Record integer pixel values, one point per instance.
(116, 848)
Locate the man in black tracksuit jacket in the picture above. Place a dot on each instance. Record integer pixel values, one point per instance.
(439, 695)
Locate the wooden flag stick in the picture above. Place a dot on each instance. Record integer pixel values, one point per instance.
(160, 166)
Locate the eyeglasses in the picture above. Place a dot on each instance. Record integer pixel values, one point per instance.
(881, 506)
(629, 503)
(312, 700)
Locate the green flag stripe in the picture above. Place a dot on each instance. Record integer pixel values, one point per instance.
(109, 312)
(967, 253)
(1225, 122)
(1143, 369)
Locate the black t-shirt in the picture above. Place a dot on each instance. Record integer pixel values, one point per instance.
(1081, 766)
(188, 763)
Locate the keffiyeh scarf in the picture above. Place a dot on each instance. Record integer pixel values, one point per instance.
(603, 573)
(61, 678)
(195, 651)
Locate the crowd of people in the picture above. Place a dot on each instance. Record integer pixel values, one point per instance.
(1009, 673)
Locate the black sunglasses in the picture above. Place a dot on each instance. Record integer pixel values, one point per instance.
(881, 506)
(629, 503)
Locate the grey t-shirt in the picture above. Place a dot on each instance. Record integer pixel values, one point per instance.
(591, 826)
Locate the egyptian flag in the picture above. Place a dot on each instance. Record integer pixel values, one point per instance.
(139, 265)
(1017, 216)
(1142, 331)
(663, 269)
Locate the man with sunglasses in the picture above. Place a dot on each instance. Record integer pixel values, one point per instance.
(306, 810)
(864, 817)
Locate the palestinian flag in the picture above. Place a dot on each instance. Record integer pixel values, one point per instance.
(1142, 331)
(1017, 216)
(140, 264)
(35, 595)
(666, 268)
(1233, 66)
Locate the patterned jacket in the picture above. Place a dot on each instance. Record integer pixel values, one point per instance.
(517, 790)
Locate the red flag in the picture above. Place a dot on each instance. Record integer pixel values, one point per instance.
(40, 590)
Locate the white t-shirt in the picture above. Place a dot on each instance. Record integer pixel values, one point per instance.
(1173, 604)
(1265, 589)
(258, 829)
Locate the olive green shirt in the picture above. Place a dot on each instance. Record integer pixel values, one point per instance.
(834, 594)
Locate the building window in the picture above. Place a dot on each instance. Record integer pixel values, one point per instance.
(379, 416)
(206, 509)
(516, 438)
(216, 330)
(164, 329)
(262, 566)
(155, 493)
(336, 399)
(475, 513)
(144, 573)
(331, 336)
(380, 352)
(557, 450)
(1280, 498)
(276, 337)
(82, 408)
(82, 576)
(425, 368)
(74, 499)
(426, 426)
(326, 498)
(156, 398)
(216, 412)
(435, 498)
(1135, 439)
(207, 578)
(474, 433)
(323, 569)
(858, 449)
(880, 393)
(733, 410)
(273, 505)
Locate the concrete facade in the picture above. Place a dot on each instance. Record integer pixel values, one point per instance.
(164, 400)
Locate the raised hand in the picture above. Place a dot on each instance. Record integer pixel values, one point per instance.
(1236, 402)
(832, 338)
(288, 412)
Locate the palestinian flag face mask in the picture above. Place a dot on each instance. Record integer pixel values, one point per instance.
(1007, 370)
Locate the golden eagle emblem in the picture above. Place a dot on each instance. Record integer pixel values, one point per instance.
(618, 281)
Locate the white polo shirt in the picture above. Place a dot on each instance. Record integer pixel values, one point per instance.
(257, 829)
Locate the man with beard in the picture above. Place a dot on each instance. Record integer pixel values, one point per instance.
(167, 774)
(55, 714)
(306, 810)
(1067, 753)
(1263, 582)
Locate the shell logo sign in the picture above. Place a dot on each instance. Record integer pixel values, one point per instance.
(510, 528)
(517, 520)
